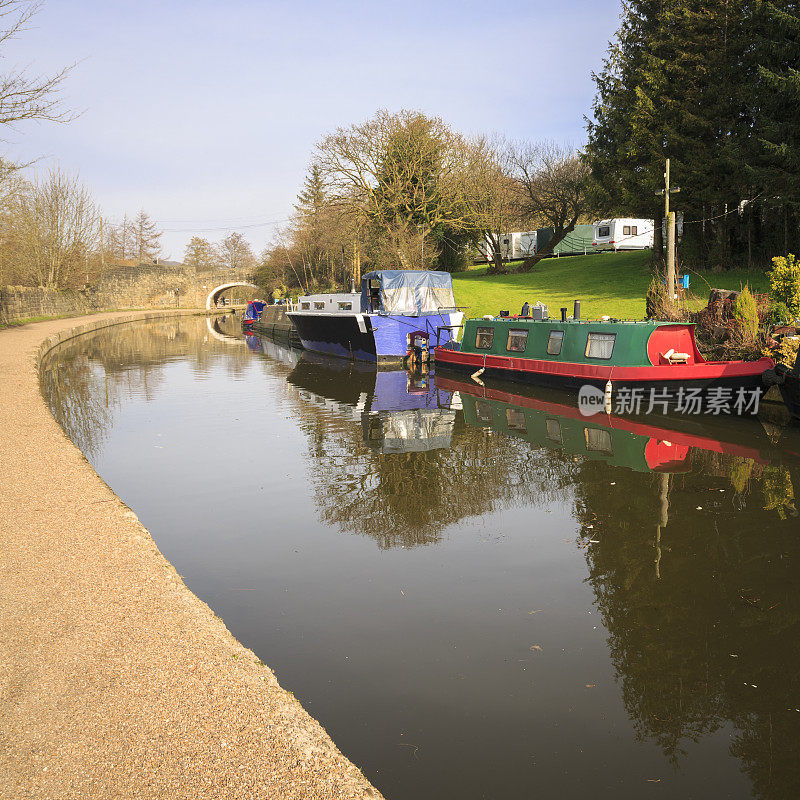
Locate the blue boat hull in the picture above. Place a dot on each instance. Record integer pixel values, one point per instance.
(379, 338)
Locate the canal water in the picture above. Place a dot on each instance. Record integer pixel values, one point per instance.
(478, 592)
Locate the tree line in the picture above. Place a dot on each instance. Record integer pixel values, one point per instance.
(714, 87)
(232, 252)
(404, 190)
(53, 234)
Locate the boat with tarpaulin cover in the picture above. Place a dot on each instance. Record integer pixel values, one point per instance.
(378, 324)
(253, 312)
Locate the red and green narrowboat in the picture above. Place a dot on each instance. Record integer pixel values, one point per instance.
(573, 352)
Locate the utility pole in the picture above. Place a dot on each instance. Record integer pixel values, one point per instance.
(669, 218)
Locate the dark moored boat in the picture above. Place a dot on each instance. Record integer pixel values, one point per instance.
(571, 353)
(378, 324)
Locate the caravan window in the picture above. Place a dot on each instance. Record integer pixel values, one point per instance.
(604, 230)
(554, 343)
(634, 230)
(517, 340)
(626, 230)
(600, 345)
(484, 338)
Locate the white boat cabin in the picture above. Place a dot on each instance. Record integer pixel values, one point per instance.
(342, 303)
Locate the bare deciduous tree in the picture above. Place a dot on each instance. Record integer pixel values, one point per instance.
(24, 96)
(121, 241)
(200, 254)
(553, 180)
(491, 195)
(398, 174)
(56, 225)
(235, 252)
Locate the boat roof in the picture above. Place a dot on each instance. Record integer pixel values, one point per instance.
(410, 276)
(653, 323)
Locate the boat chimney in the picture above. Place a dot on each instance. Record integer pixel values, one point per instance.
(576, 314)
(563, 314)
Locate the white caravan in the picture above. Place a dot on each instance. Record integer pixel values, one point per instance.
(519, 244)
(623, 234)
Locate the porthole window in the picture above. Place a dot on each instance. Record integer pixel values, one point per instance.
(554, 343)
(517, 340)
(600, 345)
(484, 337)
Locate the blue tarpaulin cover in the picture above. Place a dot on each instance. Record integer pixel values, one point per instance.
(410, 292)
(253, 310)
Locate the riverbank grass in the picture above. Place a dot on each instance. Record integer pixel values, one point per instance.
(606, 283)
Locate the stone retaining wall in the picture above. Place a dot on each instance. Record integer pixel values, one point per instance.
(144, 286)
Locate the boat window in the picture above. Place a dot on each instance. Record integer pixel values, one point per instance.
(554, 430)
(305, 306)
(345, 306)
(554, 343)
(484, 410)
(319, 306)
(517, 340)
(515, 417)
(634, 230)
(598, 440)
(626, 230)
(604, 230)
(484, 338)
(600, 345)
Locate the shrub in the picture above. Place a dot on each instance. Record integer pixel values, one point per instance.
(784, 280)
(745, 312)
(779, 313)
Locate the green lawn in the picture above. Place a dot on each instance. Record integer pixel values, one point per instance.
(606, 283)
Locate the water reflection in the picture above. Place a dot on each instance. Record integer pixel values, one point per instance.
(405, 470)
(508, 521)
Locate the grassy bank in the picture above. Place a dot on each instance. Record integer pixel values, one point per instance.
(605, 283)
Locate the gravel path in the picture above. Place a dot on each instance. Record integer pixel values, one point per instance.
(115, 680)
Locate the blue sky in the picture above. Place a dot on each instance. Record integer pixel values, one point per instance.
(205, 114)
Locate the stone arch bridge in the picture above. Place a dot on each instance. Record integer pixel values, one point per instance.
(215, 293)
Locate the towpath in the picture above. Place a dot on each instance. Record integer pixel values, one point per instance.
(115, 680)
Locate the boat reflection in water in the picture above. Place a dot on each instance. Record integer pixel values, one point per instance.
(399, 412)
(550, 419)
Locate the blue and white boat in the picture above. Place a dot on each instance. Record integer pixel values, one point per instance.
(394, 309)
